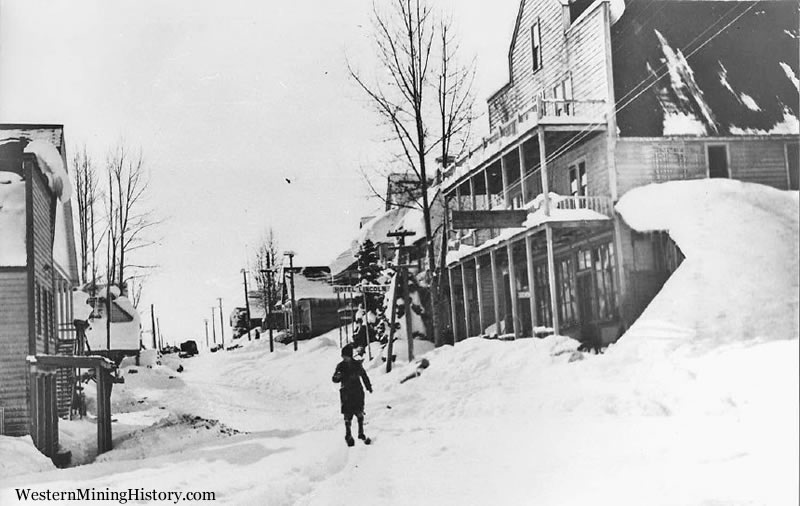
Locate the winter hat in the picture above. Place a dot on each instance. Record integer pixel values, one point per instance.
(347, 350)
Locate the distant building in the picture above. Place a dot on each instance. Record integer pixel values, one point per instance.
(316, 301)
(604, 97)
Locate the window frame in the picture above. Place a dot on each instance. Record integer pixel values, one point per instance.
(727, 158)
(583, 191)
(536, 46)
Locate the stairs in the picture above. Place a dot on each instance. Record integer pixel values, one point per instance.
(65, 379)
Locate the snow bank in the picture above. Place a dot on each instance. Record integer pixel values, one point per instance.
(52, 165)
(740, 277)
(21, 457)
(12, 220)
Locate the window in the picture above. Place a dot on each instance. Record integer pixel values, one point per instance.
(717, 157)
(38, 308)
(603, 257)
(563, 91)
(793, 165)
(542, 290)
(536, 46)
(567, 303)
(578, 182)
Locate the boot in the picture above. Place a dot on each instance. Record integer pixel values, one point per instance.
(361, 435)
(348, 436)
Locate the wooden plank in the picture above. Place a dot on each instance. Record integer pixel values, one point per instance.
(531, 282)
(506, 218)
(495, 292)
(512, 276)
(479, 288)
(453, 312)
(467, 329)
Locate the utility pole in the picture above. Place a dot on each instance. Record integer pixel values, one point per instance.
(403, 278)
(267, 273)
(153, 326)
(290, 254)
(158, 329)
(213, 326)
(246, 303)
(221, 325)
(206, 322)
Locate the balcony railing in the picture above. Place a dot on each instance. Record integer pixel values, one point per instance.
(598, 204)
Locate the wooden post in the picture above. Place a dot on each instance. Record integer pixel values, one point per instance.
(551, 275)
(512, 281)
(221, 324)
(543, 171)
(392, 321)
(465, 292)
(339, 317)
(101, 409)
(479, 286)
(521, 155)
(531, 282)
(407, 304)
(453, 312)
(495, 293)
(504, 179)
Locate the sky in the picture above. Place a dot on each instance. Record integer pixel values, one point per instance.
(226, 100)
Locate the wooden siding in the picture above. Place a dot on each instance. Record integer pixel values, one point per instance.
(43, 259)
(640, 161)
(13, 350)
(594, 152)
(578, 51)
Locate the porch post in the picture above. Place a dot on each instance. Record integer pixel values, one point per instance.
(543, 170)
(453, 312)
(495, 293)
(531, 280)
(512, 281)
(504, 177)
(551, 274)
(464, 291)
(521, 155)
(479, 285)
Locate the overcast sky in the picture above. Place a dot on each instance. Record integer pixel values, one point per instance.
(226, 100)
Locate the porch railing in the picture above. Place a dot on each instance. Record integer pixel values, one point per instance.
(598, 204)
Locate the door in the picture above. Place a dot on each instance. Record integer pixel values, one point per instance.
(717, 157)
(586, 311)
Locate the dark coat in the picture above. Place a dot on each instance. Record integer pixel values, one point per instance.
(350, 374)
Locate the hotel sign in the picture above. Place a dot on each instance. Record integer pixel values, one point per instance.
(489, 219)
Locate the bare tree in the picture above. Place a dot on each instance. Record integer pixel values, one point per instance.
(88, 198)
(129, 215)
(266, 254)
(409, 39)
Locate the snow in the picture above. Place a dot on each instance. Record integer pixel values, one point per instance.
(696, 405)
(790, 74)
(12, 220)
(680, 123)
(21, 457)
(725, 228)
(52, 165)
(749, 102)
(125, 335)
(789, 125)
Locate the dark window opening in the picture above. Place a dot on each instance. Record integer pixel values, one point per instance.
(536, 46)
(577, 7)
(718, 161)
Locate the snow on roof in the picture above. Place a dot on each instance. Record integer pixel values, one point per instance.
(740, 276)
(52, 165)
(533, 220)
(313, 283)
(12, 220)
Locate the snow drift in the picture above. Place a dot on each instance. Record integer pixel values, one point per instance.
(740, 277)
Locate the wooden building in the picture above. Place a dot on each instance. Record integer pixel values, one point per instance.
(604, 97)
(38, 271)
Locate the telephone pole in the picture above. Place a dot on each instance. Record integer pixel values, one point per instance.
(246, 304)
(290, 254)
(221, 325)
(206, 322)
(153, 326)
(213, 326)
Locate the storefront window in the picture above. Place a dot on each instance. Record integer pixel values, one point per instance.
(567, 303)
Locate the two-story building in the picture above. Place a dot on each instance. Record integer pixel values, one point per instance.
(603, 97)
(38, 267)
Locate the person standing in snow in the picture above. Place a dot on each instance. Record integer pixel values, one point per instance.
(350, 373)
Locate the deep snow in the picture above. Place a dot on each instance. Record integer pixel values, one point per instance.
(697, 405)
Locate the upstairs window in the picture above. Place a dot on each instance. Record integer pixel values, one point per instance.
(578, 183)
(536, 46)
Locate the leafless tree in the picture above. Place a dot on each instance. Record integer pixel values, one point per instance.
(88, 197)
(410, 38)
(129, 216)
(266, 254)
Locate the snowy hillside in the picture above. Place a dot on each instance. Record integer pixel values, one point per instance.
(697, 404)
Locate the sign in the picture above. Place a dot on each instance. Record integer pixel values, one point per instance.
(360, 288)
(489, 219)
